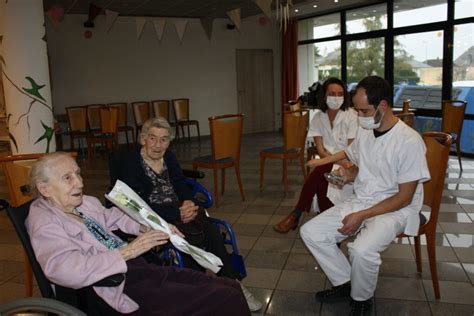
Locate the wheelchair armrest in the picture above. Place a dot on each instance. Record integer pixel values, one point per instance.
(195, 174)
(231, 241)
(111, 280)
(199, 188)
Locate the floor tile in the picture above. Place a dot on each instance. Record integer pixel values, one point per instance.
(262, 278)
(445, 309)
(255, 219)
(388, 307)
(400, 288)
(290, 303)
(451, 292)
(270, 232)
(274, 244)
(301, 281)
(266, 259)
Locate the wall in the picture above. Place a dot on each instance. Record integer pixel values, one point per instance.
(115, 66)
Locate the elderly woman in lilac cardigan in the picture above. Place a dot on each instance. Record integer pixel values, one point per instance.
(72, 237)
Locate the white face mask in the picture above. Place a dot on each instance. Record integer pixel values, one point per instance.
(334, 103)
(371, 122)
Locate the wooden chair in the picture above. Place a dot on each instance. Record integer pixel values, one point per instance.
(407, 116)
(77, 124)
(93, 116)
(438, 145)
(226, 133)
(181, 113)
(123, 120)
(453, 119)
(141, 113)
(162, 108)
(107, 135)
(295, 128)
(16, 169)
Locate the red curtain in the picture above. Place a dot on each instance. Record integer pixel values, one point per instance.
(289, 64)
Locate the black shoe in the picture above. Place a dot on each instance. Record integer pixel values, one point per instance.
(335, 294)
(361, 308)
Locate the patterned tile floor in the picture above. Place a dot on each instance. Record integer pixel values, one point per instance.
(281, 272)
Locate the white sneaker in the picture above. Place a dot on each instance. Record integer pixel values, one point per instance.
(253, 303)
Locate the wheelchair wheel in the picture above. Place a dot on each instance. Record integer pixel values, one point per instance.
(38, 306)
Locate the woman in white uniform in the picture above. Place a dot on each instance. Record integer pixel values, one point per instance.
(333, 129)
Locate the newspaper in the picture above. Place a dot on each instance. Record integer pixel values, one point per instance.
(131, 203)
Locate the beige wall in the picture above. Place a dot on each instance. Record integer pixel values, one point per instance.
(117, 67)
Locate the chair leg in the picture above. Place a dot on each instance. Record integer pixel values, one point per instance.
(458, 150)
(216, 191)
(126, 137)
(199, 133)
(189, 134)
(285, 174)
(133, 136)
(431, 246)
(182, 132)
(418, 254)
(262, 171)
(303, 167)
(222, 181)
(239, 181)
(71, 138)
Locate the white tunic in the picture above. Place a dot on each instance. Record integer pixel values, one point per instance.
(344, 128)
(385, 162)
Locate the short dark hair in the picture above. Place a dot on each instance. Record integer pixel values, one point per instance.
(376, 89)
(322, 96)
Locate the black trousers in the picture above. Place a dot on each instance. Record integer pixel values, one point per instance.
(212, 242)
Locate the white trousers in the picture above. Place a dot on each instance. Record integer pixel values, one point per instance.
(375, 234)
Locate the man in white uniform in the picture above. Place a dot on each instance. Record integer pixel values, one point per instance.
(389, 169)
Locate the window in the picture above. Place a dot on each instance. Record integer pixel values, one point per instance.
(408, 12)
(318, 61)
(463, 9)
(366, 19)
(365, 58)
(320, 27)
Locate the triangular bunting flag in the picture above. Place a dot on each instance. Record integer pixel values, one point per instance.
(159, 25)
(110, 17)
(140, 25)
(180, 26)
(234, 16)
(265, 6)
(207, 26)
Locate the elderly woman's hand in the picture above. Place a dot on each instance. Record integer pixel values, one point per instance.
(175, 230)
(188, 211)
(143, 243)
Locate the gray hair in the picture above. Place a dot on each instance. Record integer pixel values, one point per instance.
(41, 169)
(158, 122)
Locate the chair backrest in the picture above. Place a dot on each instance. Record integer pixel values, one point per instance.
(18, 216)
(408, 118)
(122, 118)
(16, 169)
(93, 116)
(141, 112)
(295, 106)
(406, 106)
(109, 117)
(453, 116)
(438, 145)
(77, 118)
(226, 133)
(295, 128)
(161, 108)
(181, 109)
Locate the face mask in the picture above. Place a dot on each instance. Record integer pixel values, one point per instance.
(334, 103)
(371, 122)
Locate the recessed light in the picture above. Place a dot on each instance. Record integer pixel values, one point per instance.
(374, 11)
(296, 10)
(336, 1)
(396, 7)
(354, 14)
(315, 5)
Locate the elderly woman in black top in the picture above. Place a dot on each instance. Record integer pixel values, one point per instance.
(154, 173)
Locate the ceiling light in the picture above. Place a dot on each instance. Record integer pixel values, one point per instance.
(336, 1)
(315, 5)
(296, 10)
(374, 11)
(396, 7)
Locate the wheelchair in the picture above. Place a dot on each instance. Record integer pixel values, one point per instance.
(205, 200)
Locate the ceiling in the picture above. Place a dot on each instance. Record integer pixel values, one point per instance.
(197, 8)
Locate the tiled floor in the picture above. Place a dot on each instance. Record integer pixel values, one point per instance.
(281, 272)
